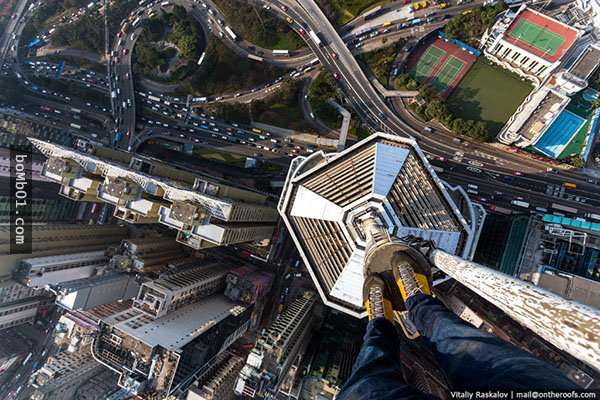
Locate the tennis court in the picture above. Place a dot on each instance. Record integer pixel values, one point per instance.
(427, 63)
(537, 36)
(447, 73)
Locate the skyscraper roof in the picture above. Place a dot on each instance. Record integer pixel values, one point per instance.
(327, 195)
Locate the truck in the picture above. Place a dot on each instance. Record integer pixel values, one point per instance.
(230, 33)
(76, 110)
(520, 203)
(153, 98)
(201, 58)
(569, 185)
(561, 207)
(75, 126)
(136, 22)
(315, 37)
(257, 131)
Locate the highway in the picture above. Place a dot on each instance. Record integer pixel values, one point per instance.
(333, 54)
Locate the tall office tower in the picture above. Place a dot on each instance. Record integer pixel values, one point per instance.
(148, 255)
(250, 286)
(217, 382)
(61, 375)
(53, 239)
(86, 293)
(276, 350)
(45, 271)
(206, 212)
(19, 312)
(170, 334)
(326, 196)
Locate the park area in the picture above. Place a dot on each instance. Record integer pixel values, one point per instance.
(441, 64)
(488, 93)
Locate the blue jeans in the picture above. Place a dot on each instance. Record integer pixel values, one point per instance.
(471, 358)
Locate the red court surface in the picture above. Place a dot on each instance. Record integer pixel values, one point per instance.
(452, 55)
(568, 34)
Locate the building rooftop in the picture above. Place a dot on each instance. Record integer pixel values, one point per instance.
(541, 35)
(324, 202)
(176, 329)
(588, 63)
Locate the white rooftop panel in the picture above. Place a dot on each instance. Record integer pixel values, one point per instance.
(388, 162)
(309, 204)
(349, 285)
(178, 328)
(445, 240)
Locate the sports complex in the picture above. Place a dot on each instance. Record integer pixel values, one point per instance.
(441, 63)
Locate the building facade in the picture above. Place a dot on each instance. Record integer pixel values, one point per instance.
(268, 364)
(60, 377)
(217, 383)
(204, 211)
(18, 313)
(177, 325)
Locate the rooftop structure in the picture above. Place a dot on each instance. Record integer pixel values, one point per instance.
(149, 254)
(218, 381)
(53, 239)
(172, 291)
(276, 350)
(39, 272)
(326, 195)
(204, 211)
(162, 355)
(529, 43)
(87, 293)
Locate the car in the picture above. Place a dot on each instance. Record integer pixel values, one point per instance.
(518, 173)
(336, 76)
(475, 170)
(334, 55)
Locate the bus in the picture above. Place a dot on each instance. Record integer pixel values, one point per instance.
(231, 34)
(561, 207)
(386, 24)
(437, 169)
(281, 52)
(314, 61)
(257, 131)
(153, 98)
(520, 203)
(76, 110)
(255, 58)
(136, 22)
(569, 185)
(315, 37)
(75, 126)
(201, 58)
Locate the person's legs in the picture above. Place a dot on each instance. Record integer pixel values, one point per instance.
(376, 373)
(474, 359)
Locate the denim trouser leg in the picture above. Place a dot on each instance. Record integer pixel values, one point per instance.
(376, 373)
(474, 359)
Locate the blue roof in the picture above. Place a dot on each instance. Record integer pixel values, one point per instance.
(558, 135)
(574, 223)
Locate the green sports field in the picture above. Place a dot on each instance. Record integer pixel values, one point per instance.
(427, 62)
(446, 75)
(488, 93)
(537, 36)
